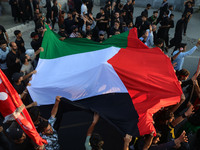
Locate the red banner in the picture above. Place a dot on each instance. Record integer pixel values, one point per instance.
(11, 107)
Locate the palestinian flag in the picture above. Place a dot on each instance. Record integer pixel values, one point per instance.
(121, 79)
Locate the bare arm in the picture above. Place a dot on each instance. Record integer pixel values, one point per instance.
(127, 140)
(55, 107)
(91, 128)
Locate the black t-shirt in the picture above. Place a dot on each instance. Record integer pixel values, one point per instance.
(19, 43)
(36, 44)
(102, 25)
(12, 65)
(54, 9)
(68, 24)
(2, 31)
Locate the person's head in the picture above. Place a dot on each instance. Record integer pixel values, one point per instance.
(164, 0)
(69, 14)
(183, 74)
(17, 77)
(148, 6)
(130, 24)
(74, 28)
(116, 14)
(171, 16)
(18, 33)
(62, 13)
(88, 27)
(48, 22)
(129, 2)
(62, 28)
(154, 27)
(55, 2)
(182, 46)
(116, 25)
(24, 58)
(84, 1)
(165, 117)
(96, 141)
(171, 7)
(89, 35)
(155, 14)
(37, 11)
(159, 42)
(35, 115)
(144, 17)
(189, 5)
(102, 10)
(17, 135)
(34, 36)
(3, 44)
(45, 128)
(13, 46)
(101, 35)
(156, 139)
(145, 34)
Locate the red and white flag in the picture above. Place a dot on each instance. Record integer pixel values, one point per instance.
(11, 107)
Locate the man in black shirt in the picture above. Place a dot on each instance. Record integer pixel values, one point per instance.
(102, 20)
(69, 22)
(12, 59)
(19, 41)
(3, 33)
(188, 13)
(163, 9)
(54, 13)
(146, 9)
(36, 44)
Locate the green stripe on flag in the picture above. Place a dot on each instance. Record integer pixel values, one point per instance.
(54, 48)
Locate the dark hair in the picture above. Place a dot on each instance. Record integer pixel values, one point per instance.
(54, 1)
(158, 41)
(42, 126)
(182, 72)
(16, 32)
(3, 42)
(155, 12)
(171, 15)
(48, 21)
(170, 6)
(62, 12)
(148, 5)
(163, 116)
(144, 15)
(62, 26)
(181, 45)
(34, 112)
(102, 8)
(96, 141)
(22, 58)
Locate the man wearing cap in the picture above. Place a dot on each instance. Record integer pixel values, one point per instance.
(12, 59)
(19, 139)
(100, 39)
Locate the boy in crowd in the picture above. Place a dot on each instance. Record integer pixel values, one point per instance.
(19, 41)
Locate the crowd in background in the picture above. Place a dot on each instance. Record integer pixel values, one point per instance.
(174, 131)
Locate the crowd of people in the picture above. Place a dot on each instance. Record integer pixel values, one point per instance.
(174, 131)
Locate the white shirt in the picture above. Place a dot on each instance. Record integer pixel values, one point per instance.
(83, 9)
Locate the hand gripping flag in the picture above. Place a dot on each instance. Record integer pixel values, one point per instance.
(11, 107)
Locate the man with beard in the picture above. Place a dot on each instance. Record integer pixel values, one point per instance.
(46, 130)
(12, 59)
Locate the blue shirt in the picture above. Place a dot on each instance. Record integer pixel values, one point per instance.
(180, 58)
